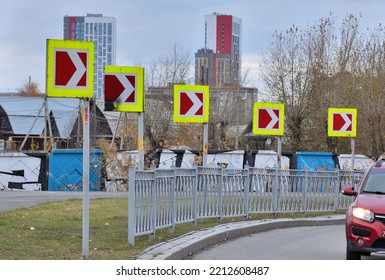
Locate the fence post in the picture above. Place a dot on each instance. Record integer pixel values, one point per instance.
(337, 190)
(220, 192)
(131, 206)
(194, 198)
(173, 200)
(304, 191)
(153, 202)
(246, 188)
(275, 191)
(204, 190)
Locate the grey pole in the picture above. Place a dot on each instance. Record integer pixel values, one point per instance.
(116, 130)
(86, 181)
(140, 140)
(131, 206)
(279, 152)
(353, 147)
(33, 124)
(205, 142)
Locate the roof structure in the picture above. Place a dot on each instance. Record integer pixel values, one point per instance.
(27, 114)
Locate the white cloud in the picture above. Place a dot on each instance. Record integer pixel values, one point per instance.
(251, 64)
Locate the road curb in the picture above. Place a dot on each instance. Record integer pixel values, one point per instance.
(185, 245)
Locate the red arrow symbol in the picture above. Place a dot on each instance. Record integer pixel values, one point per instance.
(119, 88)
(191, 103)
(342, 122)
(70, 68)
(268, 118)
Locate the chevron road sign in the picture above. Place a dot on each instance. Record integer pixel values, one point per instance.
(342, 122)
(268, 119)
(191, 103)
(124, 88)
(70, 69)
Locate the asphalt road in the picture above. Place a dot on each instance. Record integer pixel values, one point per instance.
(297, 243)
(11, 200)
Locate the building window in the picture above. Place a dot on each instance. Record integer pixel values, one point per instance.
(109, 32)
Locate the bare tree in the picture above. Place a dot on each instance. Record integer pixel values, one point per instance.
(172, 68)
(309, 71)
(286, 75)
(370, 94)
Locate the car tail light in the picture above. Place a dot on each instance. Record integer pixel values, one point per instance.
(363, 214)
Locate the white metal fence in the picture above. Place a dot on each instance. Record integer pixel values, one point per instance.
(163, 198)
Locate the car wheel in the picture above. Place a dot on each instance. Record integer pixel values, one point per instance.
(352, 255)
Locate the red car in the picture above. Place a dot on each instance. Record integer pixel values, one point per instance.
(365, 218)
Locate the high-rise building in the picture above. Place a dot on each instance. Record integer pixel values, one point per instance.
(219, 62)
(102, 31)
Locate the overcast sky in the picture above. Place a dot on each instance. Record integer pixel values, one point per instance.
(146, 29)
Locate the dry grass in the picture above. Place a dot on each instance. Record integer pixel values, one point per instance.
(53, 231)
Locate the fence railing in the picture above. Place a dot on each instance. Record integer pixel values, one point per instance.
(163, 198)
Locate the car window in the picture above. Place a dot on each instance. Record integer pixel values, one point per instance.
(375, 183)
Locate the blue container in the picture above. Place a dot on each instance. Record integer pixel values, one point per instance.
(66, 170)
(318, 161)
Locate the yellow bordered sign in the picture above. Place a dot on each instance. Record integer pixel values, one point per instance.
(191, 103)
(342, 122)
(268, 118)
(70, 69)
(124, 88)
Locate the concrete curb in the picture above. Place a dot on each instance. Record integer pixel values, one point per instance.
(181, 247)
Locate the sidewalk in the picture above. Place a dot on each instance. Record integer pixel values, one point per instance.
(181, 247)
(11, 200)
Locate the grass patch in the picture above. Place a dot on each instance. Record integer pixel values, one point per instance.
(53, 231)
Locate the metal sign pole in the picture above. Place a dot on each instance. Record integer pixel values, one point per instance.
(86, 183)
(140, 140)
(205, 142)
(279, 151)
(352, 145)
(116, 131)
